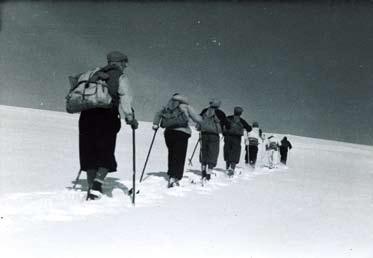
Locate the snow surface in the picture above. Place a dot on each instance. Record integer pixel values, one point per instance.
(321, 205)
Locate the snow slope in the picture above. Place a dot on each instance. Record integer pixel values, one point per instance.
(320, 206)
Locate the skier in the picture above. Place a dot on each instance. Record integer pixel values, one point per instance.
(284, 147)
(174, 117)
(98, 127)
(213, 122)
(272, 146)
(252, 140)
(232, 139)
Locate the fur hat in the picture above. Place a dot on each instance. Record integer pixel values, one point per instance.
(215, 103)
(116, 56)
(238, 111)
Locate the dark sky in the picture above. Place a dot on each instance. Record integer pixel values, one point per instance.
(297, 67)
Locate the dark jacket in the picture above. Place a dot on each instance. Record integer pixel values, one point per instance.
(232, 131)
(285, 145)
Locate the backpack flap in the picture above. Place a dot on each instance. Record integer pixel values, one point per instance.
(173, 118)
(210, 122)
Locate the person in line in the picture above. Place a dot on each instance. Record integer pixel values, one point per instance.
(252, 141)
(98, 127)
(232, 139)
(284, 148)
(213, 122)
(175, 117)
(272, 146)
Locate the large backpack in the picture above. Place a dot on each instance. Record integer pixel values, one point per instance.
(85, 94)
(210, 122)
(236, 127)
(173, 117)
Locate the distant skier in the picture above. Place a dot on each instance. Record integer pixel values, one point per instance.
(252, 140)
(272, 146)
(174, 117)
(284, 147)
(213, 122)
(232, 139)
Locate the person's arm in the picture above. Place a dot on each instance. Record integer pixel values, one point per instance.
(223, 119)
(247, 127)
(193, 114)
(290, 146)
(203, 111)
(157, 119)
(125, 99)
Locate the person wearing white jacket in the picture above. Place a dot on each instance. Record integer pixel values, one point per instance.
(272, 147)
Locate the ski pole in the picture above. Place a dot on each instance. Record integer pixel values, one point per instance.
(194, 150)
(147, 157)
(77, 179)
(133, 161)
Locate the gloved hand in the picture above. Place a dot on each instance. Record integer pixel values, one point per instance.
(133, 123)
(155, 127)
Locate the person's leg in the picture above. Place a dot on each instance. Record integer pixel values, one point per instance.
(255, 154)
(169, 139)
(246, 154)
(214, 150)
(91, 175)
(180, 150)
(100, 178)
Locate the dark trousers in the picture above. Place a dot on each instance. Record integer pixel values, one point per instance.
(210, 144)
(251, 154)
(177, 145)
(232, 149)
(98, 130)
(284, 156)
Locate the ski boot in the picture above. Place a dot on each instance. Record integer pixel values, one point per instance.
(95, 192)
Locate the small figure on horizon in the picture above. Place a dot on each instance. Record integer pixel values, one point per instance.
(284, 148)
(272, 146)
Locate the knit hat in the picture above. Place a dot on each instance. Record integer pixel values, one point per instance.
(238, 111)
(255, 124)
(116, 56)
(215, 103)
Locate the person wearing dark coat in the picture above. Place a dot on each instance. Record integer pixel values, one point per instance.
(98, 127)
(213, 122)
(232, 139)
(176, 134)
(284, 147)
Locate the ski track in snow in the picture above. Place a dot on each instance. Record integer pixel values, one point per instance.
(68, 205)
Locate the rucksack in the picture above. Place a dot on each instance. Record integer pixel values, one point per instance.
(210, 122)
(85, 94)
(272, 145)
(173, 117)
(236, 127)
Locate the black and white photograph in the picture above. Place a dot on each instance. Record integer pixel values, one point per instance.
(185, 128)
